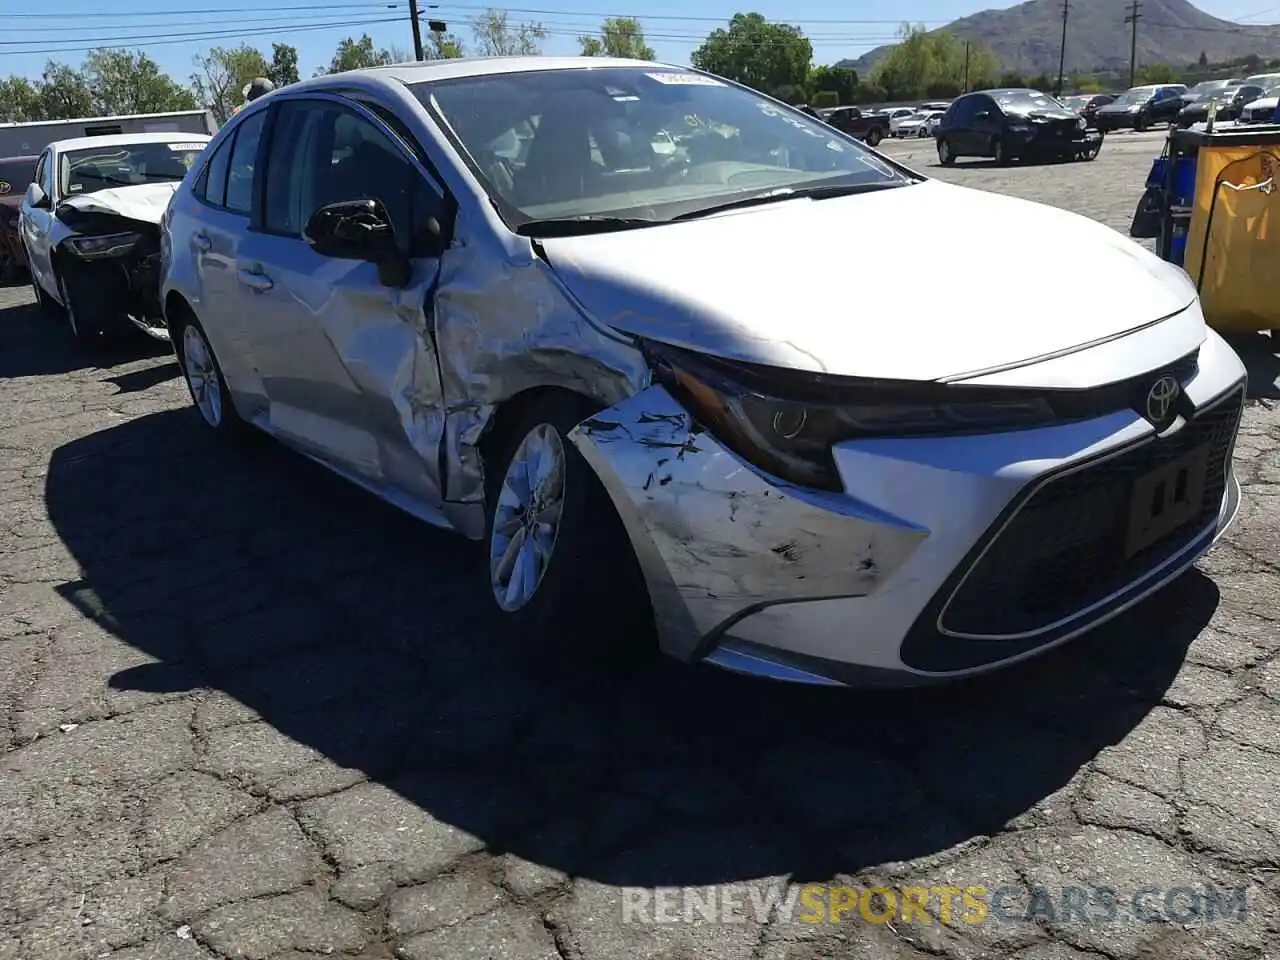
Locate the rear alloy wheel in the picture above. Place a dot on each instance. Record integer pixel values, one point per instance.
(945, 156)
(207, 386)
(874, 137)
(560, 566)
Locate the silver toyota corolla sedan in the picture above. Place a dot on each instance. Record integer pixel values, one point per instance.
(566, 307)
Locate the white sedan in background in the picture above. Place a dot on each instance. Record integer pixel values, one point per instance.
(920, 124)
(897, 117)
(90, 225)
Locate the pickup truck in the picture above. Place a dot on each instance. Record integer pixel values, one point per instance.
(870, 127)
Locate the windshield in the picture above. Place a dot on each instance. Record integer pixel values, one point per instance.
(99, 168)
(1076, 103)
(15, 175)
(1024, 101)
(555, 144)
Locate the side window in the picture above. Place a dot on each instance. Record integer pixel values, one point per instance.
(244, 155)
(960, 112)
(323, 154)
(213, 182)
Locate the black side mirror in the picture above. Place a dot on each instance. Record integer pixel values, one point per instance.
(37, 198)
(359, 230)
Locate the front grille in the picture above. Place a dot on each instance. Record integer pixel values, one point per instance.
(1064, 549)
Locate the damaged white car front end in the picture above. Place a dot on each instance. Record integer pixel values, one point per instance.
(108, 252)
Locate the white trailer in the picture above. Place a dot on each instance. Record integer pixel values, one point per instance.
(28, 139)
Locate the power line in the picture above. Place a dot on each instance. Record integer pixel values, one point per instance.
(117, 39)
(211, 11)
(195, 38)
(1132, 18)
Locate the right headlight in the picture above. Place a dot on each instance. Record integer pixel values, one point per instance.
(788, 429)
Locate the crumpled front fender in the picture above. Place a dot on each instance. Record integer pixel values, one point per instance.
(715, 538)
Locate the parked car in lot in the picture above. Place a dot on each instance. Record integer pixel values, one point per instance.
(1140, 107)
(557, 355)
(15, 174)
(921, 124)
(868, 127)
(897, 116)
(90, 227)
(1087, 104)
(1013, 124)
(1262, 109)
(1230, 101)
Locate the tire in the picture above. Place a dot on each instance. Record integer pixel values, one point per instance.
(205, 383)
(998, 154)
(586, 600)
(874, 136)
(945, 156)
(44, 303)
(1139, 124)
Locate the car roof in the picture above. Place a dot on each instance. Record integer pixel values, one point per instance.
(432, 70)
(126, 139)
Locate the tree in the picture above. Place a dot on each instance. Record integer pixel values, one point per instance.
(283, 68)
(495, 37)
(843, 83)
(442, 45)
(357, 55)
(64, 93)
(125, 82)
(925, 63)
(1157, 73)
(19, 100)
(221, 75)
(1204, 59)
(763, 55)
(619, 37)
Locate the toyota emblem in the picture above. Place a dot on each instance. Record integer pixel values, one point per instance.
(1161, 399)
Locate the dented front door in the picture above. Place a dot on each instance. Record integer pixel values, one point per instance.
(347, 362)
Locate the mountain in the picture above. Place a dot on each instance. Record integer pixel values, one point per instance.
(1025, 38)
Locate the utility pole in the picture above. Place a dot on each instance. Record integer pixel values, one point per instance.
(417, 30)
(1062, 49)
(1133, 17)
(966, 66)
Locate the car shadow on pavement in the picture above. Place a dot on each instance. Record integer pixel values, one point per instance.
(36, 344)
(1261, 356)
(367, 639)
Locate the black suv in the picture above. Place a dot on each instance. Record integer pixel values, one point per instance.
(1013, 124)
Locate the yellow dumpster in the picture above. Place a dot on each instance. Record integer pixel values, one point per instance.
(1233, 239)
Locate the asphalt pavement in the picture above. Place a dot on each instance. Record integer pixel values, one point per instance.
(248, 711)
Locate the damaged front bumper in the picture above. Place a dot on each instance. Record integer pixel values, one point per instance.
(906, 576)
(109, 270)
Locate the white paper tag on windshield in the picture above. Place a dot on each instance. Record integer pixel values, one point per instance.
(185, 146)
(685, 78)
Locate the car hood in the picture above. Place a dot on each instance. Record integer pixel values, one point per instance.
(141, 201)
(834, 285)
(1264, 103)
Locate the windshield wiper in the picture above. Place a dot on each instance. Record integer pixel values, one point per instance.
(793, 193)
(576, 226)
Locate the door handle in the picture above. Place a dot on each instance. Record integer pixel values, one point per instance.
(255, 280)
(203, 243)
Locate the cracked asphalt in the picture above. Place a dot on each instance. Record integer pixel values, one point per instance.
(247, 711)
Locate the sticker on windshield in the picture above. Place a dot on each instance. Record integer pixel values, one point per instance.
(185, 146)
(696, 79)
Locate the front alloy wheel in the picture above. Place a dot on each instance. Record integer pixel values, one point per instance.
(526, 520)
(945, 156)
(560, 566)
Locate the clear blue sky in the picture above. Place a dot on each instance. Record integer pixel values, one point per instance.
(174, 31)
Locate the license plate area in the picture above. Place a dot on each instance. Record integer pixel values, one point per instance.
(1165, 499)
